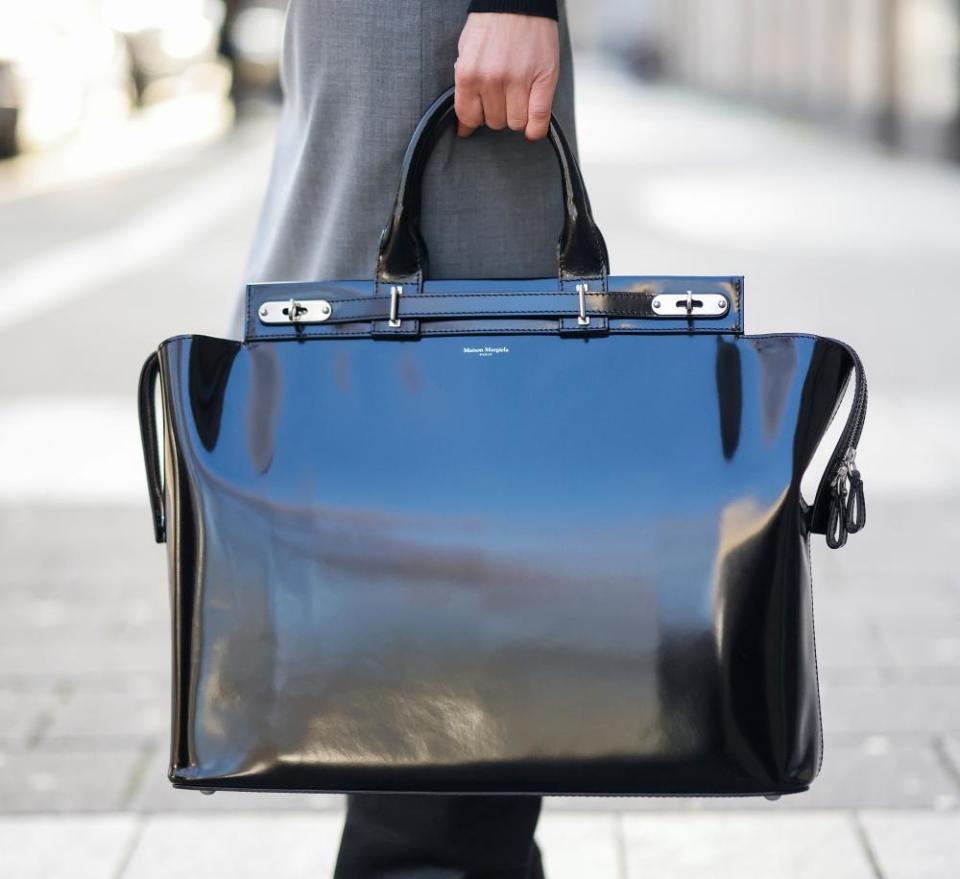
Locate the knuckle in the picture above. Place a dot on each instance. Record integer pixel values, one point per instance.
(549, 73)
(527, 77)
(466, 76)
(491, 77)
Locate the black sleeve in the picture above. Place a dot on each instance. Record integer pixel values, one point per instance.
(542, 8)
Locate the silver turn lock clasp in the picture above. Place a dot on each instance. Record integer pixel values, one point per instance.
(295, 311)
(690, 306)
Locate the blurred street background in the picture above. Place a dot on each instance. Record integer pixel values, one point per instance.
(811, 145)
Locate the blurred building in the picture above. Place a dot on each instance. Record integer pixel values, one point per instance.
(887, 68)
(72, 68)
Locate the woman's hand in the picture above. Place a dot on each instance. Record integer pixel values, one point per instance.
(506, 73)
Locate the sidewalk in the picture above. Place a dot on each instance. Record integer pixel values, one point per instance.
(680, 184)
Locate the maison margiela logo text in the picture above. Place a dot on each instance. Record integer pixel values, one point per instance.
(487, 350)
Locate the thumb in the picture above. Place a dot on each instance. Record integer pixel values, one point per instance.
(541, 102)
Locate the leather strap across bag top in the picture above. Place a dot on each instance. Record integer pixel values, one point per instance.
(535, 536)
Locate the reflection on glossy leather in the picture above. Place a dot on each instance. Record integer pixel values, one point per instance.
(780, 363)
(263, 405)
(210, 369)
(572, 565)
(729, 393)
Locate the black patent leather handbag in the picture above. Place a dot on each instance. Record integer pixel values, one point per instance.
(516, 536)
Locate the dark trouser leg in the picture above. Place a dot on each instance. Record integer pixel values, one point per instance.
(428, 836)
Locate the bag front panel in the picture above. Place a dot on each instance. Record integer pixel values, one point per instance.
(528, 564)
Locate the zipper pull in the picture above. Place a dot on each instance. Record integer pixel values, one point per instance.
(837, 523)
(848, 510)
(856, 509)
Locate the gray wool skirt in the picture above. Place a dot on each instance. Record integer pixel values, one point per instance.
(357, 74)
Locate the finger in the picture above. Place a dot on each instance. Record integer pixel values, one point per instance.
(494, 102)
(467, 103)
(538, 111)
(518, 101)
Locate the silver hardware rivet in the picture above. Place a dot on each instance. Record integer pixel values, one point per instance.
(582, 319)
(656, 304)
(264, 311)
(395, 293)
(325, 308)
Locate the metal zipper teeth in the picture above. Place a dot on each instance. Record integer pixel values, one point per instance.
(858, 414)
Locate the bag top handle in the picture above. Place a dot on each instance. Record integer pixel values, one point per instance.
(402, 258)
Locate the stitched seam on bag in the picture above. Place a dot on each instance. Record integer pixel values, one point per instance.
(533, 331)
(417, 296)
(488, 295)
(522, 311)
(629, 331)
(316, 333)
(321, 334)
(367, 334)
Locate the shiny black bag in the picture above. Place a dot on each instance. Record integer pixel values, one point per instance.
(519, 536)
